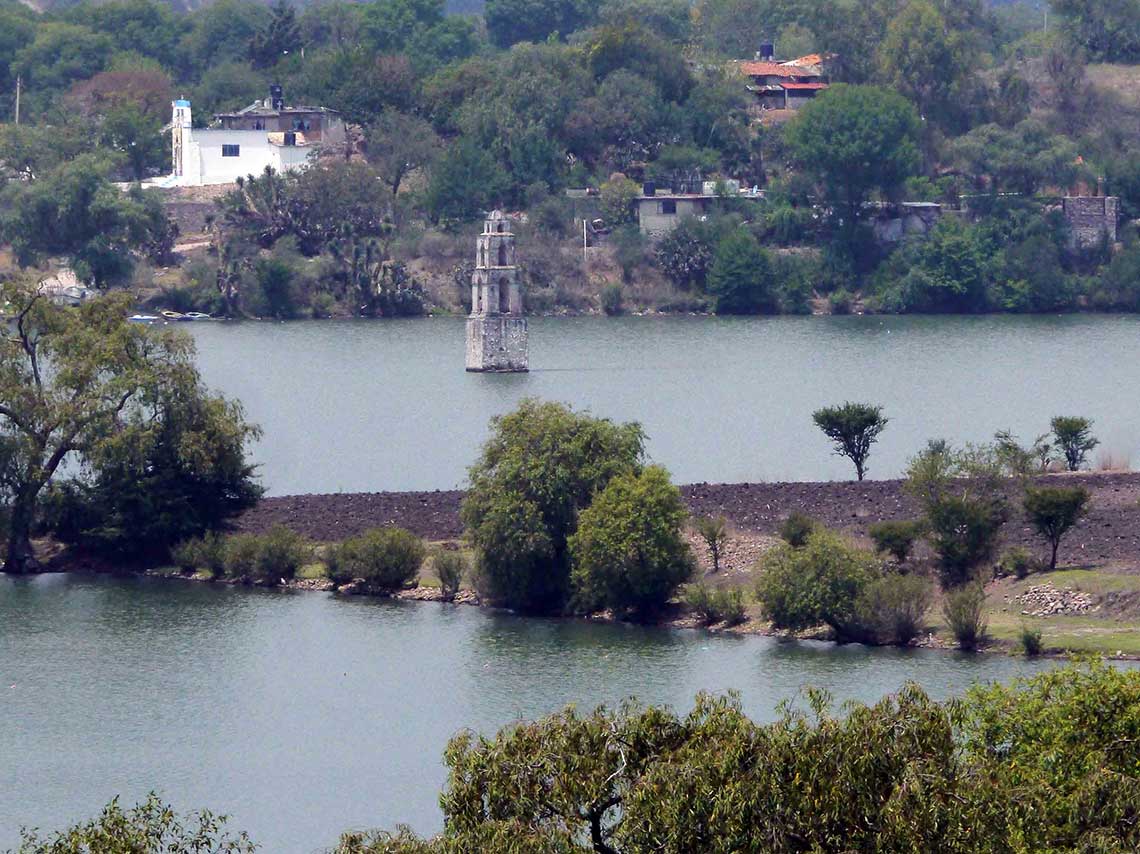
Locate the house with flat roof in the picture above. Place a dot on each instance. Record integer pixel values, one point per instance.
(265, 134)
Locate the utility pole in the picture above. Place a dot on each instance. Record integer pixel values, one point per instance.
(18, 83)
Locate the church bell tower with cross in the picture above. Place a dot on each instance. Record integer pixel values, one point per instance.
(496, 328)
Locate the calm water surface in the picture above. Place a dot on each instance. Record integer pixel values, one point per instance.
(303, 715)
(386, 405)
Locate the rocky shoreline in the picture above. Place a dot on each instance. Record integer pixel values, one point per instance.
(1108, 535)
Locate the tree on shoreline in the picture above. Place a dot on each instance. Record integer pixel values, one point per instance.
(541, 467)
(85, 384)
(853, 428)
(1074, 439)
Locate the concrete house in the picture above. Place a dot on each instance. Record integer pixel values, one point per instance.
(264, 134)
(659, 212)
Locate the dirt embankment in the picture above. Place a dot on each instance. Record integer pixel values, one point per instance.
(1109, 534)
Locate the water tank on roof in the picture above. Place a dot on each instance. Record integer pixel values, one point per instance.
(276, 97)
(649, 188)
(767, 51)
(290, 138)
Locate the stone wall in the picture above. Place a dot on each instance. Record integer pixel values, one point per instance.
(1091, 219)
(496, 343)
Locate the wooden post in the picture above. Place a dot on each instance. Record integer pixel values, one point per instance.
(18, 84)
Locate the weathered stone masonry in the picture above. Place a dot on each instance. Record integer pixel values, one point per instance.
(1091, 219)
(496, 328)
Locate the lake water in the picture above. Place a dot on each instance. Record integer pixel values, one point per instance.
(302, 715)
(386, 405)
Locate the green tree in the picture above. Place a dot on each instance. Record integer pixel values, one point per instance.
(817, 584)
(174, 468)
(928, 61)
(69, 380)
(1109, 31)
(1053, 511)
(628, 553)
(1074, 439)
(512, 21)
(277, 38)
(714, 531)
(853, 428)
(398, 144)
(541, 467)
(686, 253)
(466, 181)
(740, 277)
(59, 55)
(856, 141)
(149, 826)
(963, 531)
(617, 200)
(75, 211)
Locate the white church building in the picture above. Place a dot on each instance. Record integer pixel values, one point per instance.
(264, 134)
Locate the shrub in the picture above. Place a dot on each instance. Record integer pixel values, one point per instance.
(963, 533)
(201, 553)
(240, 555)
(450, 568)
(628, 552)
(1017, 562)
(385, 559)
(280, 553)
(1053, 511)
(1074, 439)
(892, 609)
(964, 610)
(611, 299)
(841, 301)
(896, 538)
(1030, 641)
(796, 529)
(817, 584)
(714, 531)
(714, 605)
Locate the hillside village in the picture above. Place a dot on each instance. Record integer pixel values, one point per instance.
(635, 157)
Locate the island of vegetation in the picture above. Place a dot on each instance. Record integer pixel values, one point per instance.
(878, 155)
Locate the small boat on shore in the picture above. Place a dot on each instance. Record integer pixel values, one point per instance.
(175, 316)
(197, 315)
(143, 318)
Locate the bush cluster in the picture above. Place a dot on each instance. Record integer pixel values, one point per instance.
(715, 604)
(384, 559)
(254, 558)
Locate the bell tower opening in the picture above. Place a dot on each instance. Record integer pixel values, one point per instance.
(504, 296)
(502, 254)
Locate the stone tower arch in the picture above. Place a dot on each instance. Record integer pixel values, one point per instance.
(496, 329)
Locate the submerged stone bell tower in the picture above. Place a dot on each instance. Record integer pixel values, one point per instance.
(496, 328)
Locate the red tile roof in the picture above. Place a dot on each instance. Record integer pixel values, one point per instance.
(798, 86)
(773, 69)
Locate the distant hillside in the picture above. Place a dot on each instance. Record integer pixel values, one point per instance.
(454, 7)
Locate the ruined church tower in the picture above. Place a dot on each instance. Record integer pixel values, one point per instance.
(496, 328)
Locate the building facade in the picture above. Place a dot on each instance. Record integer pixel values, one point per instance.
(265, 134)
(496, 328)
(658, 213)
(1091, 219)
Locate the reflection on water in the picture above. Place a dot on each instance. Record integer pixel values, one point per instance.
(303, 715)
(386, 405)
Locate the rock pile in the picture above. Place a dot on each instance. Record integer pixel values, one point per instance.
(1045, 600)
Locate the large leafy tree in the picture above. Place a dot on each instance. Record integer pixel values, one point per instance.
(87, 386)
(277, 38)
(511, 21)
(857, 141)
(628, 552)
(541, 467)
(400, 143)
(76, 211)
(740, 277)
